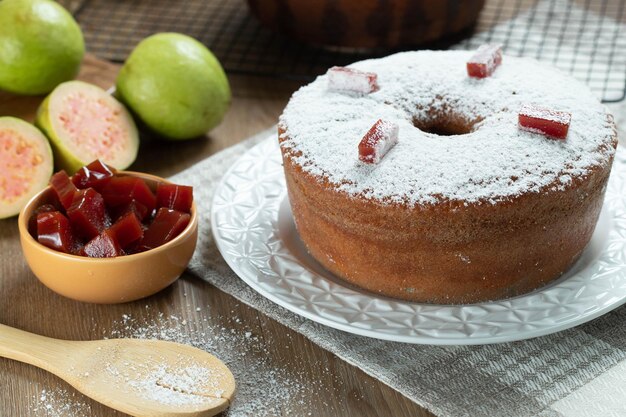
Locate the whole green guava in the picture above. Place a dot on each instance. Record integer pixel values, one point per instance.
(175, 85)
(41, 46)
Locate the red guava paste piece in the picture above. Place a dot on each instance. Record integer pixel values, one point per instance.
(485, 61)
(32, 222)
(54, 231)
(120, 191)
(95, 175)
(378, 141)
(167, 224)
(64, 188)
(551, 123)
(126, 230)
(175, 197)
(349, 79)
(138, 209)
(102, 246)
(87, 214)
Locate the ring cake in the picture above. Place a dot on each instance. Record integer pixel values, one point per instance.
(412, 179)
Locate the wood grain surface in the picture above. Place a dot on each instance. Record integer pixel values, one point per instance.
(26, 304)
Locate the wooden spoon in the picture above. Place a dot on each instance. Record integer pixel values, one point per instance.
(138, 377)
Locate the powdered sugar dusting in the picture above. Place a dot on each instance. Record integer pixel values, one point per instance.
(60, 403)
(537, 112)
(350, 80)
(264, 388)
(164, 386)
(495, 161)
(378, 141)
(487, 58)
(191, 385)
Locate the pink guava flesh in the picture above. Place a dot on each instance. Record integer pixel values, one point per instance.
(92, 125)
(19, 159)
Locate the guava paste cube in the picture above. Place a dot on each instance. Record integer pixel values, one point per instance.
(378, 141)
(64, 188)
(122, 190)
(485, 61)
(551, 123)
(353, 80)
(32, 222)
(54, 231)
(87, 214)
(95, 175)
(175, 197)
(126, 230)
(102, 246)
(138, 209)
(167, 224)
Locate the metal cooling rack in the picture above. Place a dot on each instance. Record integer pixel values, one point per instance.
(586, 38)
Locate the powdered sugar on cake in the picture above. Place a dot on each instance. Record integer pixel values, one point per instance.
(484, 61)
(351, 80)
(495, 161)
(546, 114)
(378, 141)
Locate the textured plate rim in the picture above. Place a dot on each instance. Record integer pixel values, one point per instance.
(412, 339)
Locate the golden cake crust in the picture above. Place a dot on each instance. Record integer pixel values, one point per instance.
(446, 253)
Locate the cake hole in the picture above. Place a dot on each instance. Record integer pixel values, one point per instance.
(445, 124)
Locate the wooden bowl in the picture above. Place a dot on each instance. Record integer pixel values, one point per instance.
(108, 280)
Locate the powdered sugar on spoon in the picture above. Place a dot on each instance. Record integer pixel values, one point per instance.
(137, 377)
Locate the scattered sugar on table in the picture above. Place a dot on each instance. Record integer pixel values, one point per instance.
(264, 387)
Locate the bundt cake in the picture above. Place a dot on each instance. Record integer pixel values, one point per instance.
(469, 205)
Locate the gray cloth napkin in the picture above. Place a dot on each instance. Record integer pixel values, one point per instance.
(577, 372)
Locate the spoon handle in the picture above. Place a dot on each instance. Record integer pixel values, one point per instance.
(33, 349)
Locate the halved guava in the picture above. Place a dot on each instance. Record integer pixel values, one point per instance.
(25, 164)
(85, 123)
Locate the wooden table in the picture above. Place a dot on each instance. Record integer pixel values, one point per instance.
(28, 305)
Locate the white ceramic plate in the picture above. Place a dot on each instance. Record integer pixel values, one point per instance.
(255, 232)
